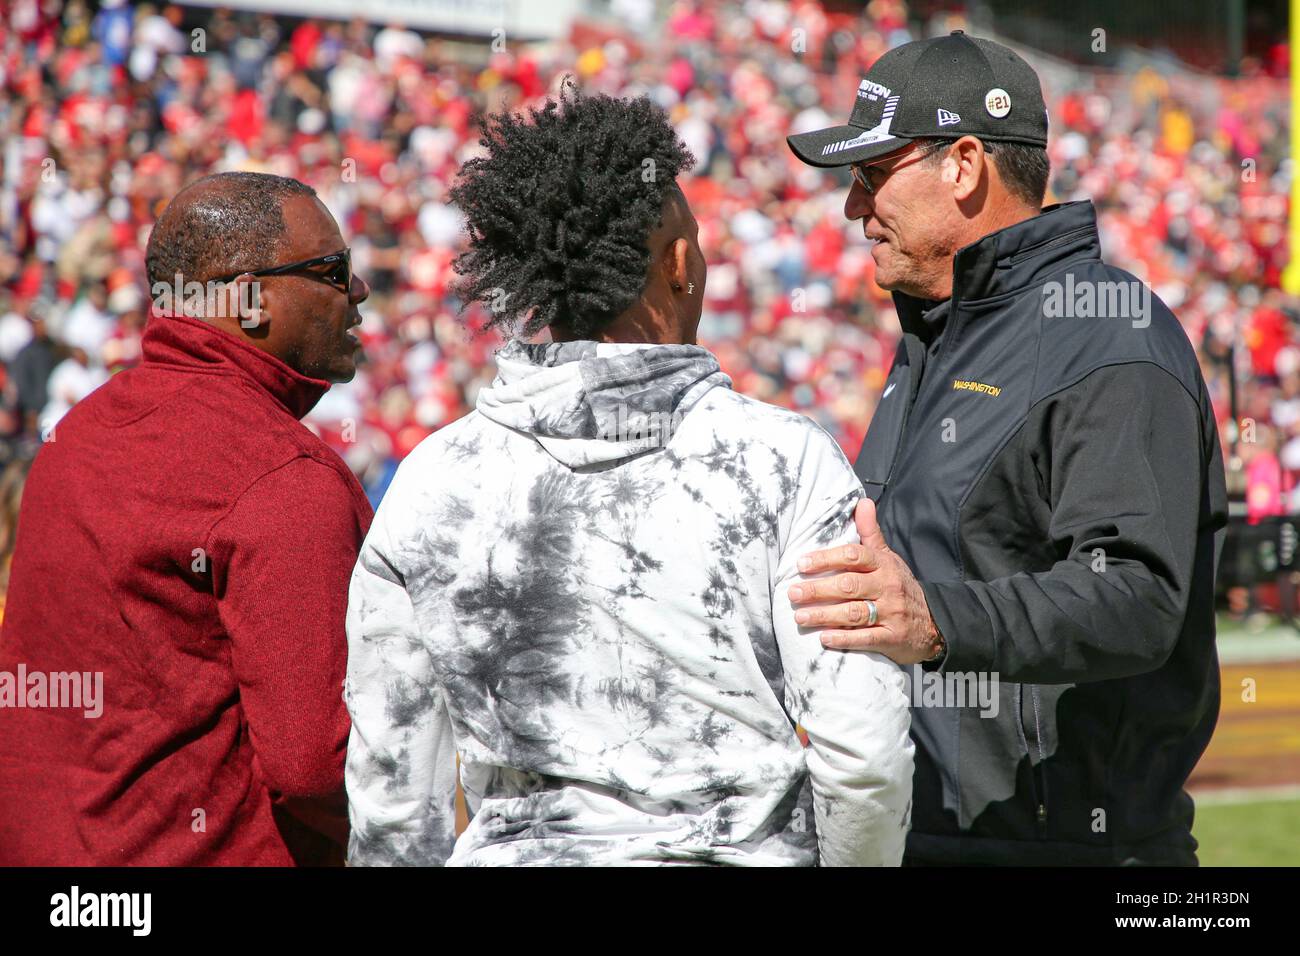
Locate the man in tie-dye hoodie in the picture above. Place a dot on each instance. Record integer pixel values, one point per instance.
(580, 587)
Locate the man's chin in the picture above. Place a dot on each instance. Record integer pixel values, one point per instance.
(895, 283)
(885, 277)
(343, 371)
(885, 280)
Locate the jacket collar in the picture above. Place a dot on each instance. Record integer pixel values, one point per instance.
(194, 344)
(1011, 259)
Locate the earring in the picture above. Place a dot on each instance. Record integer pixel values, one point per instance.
(690, 288)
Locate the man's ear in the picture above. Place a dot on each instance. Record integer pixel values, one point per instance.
(252, 302)
(675, 263)
(964, 166)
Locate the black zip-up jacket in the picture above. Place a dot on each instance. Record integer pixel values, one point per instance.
(1045, 458)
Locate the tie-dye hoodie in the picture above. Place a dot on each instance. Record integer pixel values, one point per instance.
(580, 589)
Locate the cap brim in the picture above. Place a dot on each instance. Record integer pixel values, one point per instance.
(842, 145)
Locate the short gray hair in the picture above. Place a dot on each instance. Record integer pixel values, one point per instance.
(1024, 167)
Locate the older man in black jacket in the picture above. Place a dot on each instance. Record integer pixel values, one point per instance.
(1044, 481)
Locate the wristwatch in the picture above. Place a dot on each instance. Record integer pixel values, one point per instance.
(940, 654)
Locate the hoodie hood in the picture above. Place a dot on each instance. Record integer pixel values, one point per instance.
(590, 403)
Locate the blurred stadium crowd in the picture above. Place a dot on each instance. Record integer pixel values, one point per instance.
(107, 113)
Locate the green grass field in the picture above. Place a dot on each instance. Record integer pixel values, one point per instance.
(1258, 833)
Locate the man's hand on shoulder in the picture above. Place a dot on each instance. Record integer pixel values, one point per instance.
(869, 574)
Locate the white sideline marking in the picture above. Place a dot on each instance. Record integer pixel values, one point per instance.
(1233, 795)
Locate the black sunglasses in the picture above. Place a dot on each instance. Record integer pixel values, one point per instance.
(339, 273)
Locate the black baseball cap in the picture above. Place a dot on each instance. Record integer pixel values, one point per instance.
(941, 88)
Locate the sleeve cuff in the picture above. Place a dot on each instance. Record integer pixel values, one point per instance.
(965, 626)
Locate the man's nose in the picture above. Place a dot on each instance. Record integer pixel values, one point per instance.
(858, 203)
(359, 291)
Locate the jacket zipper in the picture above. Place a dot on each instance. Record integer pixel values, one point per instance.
(1040, 770)
(907, 415)
(1037, 781)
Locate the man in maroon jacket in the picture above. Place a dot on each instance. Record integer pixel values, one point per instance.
(188, 542)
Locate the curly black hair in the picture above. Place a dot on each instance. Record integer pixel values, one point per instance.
(559, 210)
